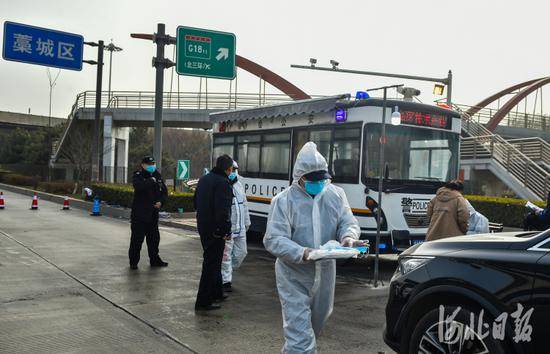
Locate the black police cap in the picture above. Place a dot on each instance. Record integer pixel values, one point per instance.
(317, 175)
(148, 160)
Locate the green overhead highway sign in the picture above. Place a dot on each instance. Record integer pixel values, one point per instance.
(205, 53)
(183, 170)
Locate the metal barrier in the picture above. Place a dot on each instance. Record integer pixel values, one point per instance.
(482, 144)
(181, 100)
(536, 149)
(513, 119)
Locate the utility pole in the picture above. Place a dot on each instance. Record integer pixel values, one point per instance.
(161, 39)
(95, 175)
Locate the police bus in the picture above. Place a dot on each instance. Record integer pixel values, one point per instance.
(422, 152)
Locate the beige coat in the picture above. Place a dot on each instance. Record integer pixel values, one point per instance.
(448, 215)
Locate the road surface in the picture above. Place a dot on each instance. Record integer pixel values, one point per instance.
(66, 287)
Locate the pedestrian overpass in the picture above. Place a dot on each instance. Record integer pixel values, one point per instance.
(124, 109)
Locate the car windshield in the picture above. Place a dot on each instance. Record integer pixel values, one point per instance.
(411, 153)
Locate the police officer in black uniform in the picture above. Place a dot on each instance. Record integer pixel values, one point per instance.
(150, 193)
(213, 205)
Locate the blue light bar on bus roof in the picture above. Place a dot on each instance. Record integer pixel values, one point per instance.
(340, 115)
(361, 95)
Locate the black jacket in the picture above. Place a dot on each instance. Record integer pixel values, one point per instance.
(213, 203)
(149, 188)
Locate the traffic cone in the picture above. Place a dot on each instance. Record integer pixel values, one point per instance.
(96, 209)
(34, 205)
(2, 200)
(66, 204)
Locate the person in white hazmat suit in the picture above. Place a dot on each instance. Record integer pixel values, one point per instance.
(478, 223)
(309, 213)
(235, 249)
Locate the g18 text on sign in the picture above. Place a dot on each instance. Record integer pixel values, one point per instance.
(42, 46)
(205, 53)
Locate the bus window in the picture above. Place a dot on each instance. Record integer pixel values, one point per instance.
(300, 137)
(322, 139)
(275, 154)
(248, 154)
(223, 145)
(345, 155)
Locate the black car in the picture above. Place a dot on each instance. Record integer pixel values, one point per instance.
(472, 294)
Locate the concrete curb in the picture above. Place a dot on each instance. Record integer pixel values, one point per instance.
(106, 210)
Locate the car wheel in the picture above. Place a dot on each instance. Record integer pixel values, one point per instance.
(434, 334)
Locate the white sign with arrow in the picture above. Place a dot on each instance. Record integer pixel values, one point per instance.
(223, 53)
(183, 169)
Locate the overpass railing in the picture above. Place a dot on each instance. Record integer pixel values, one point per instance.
(181, 100)
(524, 169)
(536, 149)
(483, 144)
(512, 119)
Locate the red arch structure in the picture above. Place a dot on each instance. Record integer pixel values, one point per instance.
(269, 76)
(530, 86)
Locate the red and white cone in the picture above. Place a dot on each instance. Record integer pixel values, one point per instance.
(66, 204)
(34, 205)
(2, 200)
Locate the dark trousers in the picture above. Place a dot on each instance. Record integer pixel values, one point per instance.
(141, 230)
(210, 287)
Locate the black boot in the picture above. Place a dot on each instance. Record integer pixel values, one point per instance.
(207, 307)
(159, 263)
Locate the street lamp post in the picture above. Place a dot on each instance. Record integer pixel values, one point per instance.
(381, 172)
(111, 48)
(335, 68)
(95, 173)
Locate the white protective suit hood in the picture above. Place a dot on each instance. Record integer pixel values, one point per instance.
(308, 160)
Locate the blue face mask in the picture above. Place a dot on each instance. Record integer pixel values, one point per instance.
(314, 187)
(232, 176)
(151, 168)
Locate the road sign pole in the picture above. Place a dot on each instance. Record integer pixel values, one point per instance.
(97, 118)
(159, 86)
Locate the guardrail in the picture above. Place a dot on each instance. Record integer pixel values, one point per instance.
(493, 146)
(483, 144)
(512, 119)
(181, 100)
(536, 149)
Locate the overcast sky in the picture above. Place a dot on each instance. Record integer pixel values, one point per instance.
(488, 44)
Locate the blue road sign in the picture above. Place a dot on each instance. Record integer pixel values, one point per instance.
(42, 46)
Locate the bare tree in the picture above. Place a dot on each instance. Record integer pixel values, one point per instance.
(77, 150)
(187, 144)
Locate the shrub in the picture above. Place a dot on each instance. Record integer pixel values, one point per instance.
(507, 211)
(19, 180)
(123, 195)
(56, 187)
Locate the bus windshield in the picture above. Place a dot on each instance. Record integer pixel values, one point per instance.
(415, 154)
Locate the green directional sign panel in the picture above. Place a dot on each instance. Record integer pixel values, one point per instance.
(205, 53)
(183, 169)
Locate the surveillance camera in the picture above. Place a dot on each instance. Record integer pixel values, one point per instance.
(312, 61)
(334, 64)
(408, 92)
